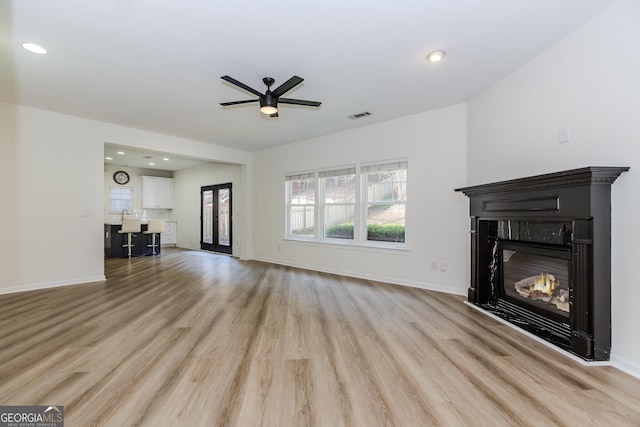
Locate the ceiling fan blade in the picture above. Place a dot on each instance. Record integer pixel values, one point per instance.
(225, 104)
(287, 86)
(298, 102)
(240, 84)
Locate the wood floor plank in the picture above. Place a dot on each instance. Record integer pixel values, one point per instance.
(194, 338)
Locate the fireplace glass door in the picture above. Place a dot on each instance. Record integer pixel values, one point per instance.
(536, 278)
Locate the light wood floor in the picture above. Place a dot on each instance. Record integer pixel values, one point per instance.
(197, 339)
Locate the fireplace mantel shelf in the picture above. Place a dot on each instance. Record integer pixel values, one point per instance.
(581, 176)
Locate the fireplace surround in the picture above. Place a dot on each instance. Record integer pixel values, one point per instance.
(541, 256)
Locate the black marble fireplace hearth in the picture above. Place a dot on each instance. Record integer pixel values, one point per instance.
(541, 255)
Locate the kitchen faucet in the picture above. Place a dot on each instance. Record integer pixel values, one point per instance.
(123, 214)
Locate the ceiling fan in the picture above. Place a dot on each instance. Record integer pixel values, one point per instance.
(269, 100)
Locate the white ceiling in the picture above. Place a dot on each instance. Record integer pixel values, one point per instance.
(156, 64)
(120, 155)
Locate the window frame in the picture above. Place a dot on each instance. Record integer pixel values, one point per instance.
(364, 172)
(360, 238)
(289, 179)
(322, 202)
(131, 200)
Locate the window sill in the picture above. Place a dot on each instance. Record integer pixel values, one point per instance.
(350, 245)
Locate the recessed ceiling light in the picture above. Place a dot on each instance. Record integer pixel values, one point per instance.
(35, 48)
(151, 164)
(120, 152)
(166, 159)
(108, 158)
(436, 56)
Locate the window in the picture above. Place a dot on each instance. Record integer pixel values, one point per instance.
(338, 190)
(384, 201)
(301, 200)
(120, 198)
(357, 205)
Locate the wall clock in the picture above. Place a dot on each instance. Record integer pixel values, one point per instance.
(121, 177)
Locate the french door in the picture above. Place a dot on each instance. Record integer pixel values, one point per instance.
(215, 218)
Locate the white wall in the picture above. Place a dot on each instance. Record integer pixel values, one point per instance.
(437, 217)
(590, 81)
(53, 193)
(47, 240)
(135, 182)
(186, 189)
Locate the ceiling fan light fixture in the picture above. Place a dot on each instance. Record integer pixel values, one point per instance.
(268, 109)
(436, 56)
(268, 104)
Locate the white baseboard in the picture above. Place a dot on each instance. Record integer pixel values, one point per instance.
(390, 280)
(625, 365)
(47, 285)
(193, 248)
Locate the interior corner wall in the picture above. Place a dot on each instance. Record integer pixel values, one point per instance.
(11, 248)
(437, 217)
(135, 183)
(53, 213)
(588, 82)
(186, 190)
(53, 184)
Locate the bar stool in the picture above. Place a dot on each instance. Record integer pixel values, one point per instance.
(129, 226)
(156, 226)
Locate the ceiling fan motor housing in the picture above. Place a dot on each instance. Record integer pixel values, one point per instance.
(268, 100)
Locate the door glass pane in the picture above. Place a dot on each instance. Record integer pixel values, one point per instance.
(223, 217)
(207, 216)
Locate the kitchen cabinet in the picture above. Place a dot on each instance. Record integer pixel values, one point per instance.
(157, 192)
(169, 233)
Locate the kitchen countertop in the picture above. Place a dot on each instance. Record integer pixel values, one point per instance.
(142, 222)
(120, 222)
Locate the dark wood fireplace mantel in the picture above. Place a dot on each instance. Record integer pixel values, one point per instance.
(579, 198)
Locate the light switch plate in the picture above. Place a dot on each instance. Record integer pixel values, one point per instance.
(563, 134)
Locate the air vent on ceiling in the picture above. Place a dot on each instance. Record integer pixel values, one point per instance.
(360, 115)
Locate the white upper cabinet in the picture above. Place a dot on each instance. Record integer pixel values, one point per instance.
(157, 192)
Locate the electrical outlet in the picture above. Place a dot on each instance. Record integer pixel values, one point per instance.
(434, 265)
(443, 266)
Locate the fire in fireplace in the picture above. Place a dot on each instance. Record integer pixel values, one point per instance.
(545, 288)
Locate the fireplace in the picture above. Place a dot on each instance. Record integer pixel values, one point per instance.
(541, 256)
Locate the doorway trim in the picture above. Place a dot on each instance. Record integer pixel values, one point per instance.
(216, 217)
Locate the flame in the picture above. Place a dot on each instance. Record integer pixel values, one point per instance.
(544, 285)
